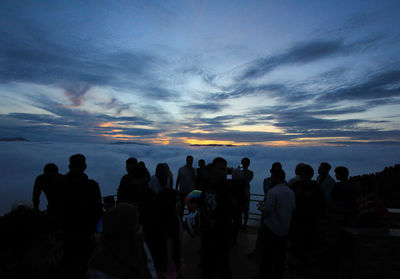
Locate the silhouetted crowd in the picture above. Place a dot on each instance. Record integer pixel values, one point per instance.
(82, 235)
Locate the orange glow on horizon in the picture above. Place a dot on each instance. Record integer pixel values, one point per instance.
(209, 142)
(107, 124)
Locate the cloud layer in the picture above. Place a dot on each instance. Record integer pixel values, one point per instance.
(21, 162)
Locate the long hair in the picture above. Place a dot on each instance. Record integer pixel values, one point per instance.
(162, 175)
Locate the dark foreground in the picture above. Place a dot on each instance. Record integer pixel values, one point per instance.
(350, 253)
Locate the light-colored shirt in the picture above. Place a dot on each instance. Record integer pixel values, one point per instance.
(326, 185)
(266, 186)
(187, 179)
(278, 209)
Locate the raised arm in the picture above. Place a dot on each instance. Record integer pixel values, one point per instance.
(178, 180)
(37, 189)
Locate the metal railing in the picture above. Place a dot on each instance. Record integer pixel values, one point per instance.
(253, 215)
(253, 199)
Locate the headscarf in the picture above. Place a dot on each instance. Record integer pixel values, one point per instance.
(120, 252)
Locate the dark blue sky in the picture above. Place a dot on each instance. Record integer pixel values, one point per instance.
(172, 72)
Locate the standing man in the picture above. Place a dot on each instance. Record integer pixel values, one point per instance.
(82, 208)
(325, 181)
(126, 189)
(200, 174)
(277, 210)
(186, 180)
(217, 218)
(266, 187)
(50, 182)
(247, 177)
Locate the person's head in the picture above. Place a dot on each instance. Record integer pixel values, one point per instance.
(277, 176)
(141, 170)
(189, 160)
(77, 163)
(245, 162)
(275, 166)
(299, 168)
(162, 174)
(166, 167)
(324, 169)
(305, 172)
(219, 169)
(131, 165)
(108, 202)
(50, 168)
(202, 163)
(341, 173)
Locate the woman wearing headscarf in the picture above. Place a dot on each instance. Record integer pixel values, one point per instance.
(164, 236)
(121, 253)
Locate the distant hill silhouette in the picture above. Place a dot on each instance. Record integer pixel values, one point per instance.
(13, 139)
(130, 142)
(214, 145)
(388, 185)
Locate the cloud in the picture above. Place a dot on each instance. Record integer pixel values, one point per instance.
(76, 92)
(30, 158)
(158, 92)
(204, 107)
(305, 52)
(379, 86)
(30, 53)
(237, 136)
(245, 89)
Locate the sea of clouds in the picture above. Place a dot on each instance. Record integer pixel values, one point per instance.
(22, 162)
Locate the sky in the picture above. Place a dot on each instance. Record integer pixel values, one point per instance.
(269, 73)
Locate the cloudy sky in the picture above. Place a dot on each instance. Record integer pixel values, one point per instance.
(201, 72)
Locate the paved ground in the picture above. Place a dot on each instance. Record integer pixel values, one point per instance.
(242, 265)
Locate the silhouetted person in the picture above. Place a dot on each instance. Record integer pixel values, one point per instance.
(121, 252)
(108, 202)
(200, 174)
(217, 220)
(170, 175)
(161, 179)
(51, 183)
(132, 184)
(239, 200)
(142, 166)
(267, 181)
(344, 192)
(277, 212)
(164, 235)
(267, 185)
(186, 180)
(82, 211)
(247, 177)
(127, 180)
(325, 181)
(297, 174)
(310, 206)
(28, 246)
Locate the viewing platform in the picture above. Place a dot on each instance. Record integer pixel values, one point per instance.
(342, 252)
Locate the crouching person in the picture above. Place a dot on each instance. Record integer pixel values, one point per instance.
(121, 252)
(278, 209)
